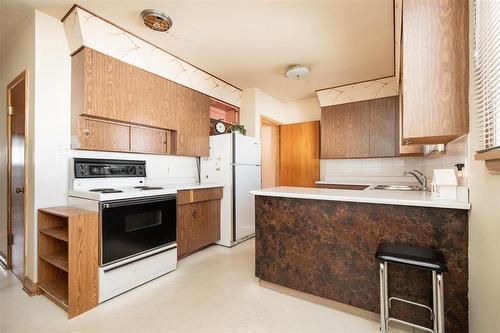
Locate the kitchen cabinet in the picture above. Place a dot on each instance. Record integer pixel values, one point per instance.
(198, 219)
(435, 76)
(345, 130)
(360, 129)
(299, 154)
(383, 126)
(108, 89)
(68, 257)
(148, 140)
(404, 148)
(100, 135)
(194, 122)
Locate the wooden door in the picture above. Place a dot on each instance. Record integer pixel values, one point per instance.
(299, 154)
(345, 130)
(16, 175)
(270, 143)
(435, 70)
(98, 135)
(148, 140)
(203, 228)
(384, 127)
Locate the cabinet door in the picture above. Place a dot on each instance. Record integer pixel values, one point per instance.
(194, 122)
(204, 224)
(404, 149)
(198, 225)
(183, 221)
(345, 130)
(435, 70)
(148, 140)
(383, 127)
(97, 135)
(114, 89)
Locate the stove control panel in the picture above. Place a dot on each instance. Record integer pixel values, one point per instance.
(102, 168)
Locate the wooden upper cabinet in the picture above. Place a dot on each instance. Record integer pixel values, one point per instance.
(360, 129)
(108, 89)
(383, 127)
(435, 70)
(345, 130)
(98, 135)
(148, 140)
(194, 123)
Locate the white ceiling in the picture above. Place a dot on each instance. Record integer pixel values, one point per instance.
(251, 43)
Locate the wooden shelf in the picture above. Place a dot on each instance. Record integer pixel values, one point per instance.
(68, 234)
(60, 233)
(58, 291)
(57, 259)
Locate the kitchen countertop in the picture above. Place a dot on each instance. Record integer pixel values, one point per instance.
(368, 195)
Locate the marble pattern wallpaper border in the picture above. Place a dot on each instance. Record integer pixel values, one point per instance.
(85, 29)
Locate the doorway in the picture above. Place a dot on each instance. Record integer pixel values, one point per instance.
(16, 176)
(270, 143)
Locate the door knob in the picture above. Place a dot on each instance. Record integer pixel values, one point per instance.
(194, 214)
(20, 190)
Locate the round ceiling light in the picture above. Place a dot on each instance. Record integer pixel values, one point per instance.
(156, 20)
(297, 71)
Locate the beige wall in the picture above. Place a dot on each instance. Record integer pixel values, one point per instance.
(484, 233)
(18, 55)
(256, 104)
(307, 109)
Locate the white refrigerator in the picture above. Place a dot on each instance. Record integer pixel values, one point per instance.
(234, 161)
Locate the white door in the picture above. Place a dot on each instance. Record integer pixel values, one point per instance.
(246, 150)
(247, 178)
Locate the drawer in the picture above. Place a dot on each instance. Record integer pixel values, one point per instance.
(197, 195)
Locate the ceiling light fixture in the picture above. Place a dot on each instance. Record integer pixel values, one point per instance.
(156, 20)
(297, 71)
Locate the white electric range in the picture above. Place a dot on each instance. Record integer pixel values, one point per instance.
(137, 223)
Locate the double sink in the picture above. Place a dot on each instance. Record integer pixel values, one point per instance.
(398, 187)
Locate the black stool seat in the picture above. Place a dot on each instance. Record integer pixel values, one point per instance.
(416, 256)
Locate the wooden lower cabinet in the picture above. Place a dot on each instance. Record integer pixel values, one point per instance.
(68, 257)
(198, 220)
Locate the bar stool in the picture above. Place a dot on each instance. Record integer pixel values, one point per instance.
(419, 257)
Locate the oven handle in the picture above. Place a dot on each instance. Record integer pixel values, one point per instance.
(122, 203)
(151, 253)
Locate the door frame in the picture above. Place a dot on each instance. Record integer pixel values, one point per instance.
(272, 122)
(10, 86)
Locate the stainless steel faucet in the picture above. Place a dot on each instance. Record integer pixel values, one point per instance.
(421, 178)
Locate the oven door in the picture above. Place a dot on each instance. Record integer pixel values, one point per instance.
(132, 227)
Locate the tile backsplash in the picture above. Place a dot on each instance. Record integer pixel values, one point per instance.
(456, 152)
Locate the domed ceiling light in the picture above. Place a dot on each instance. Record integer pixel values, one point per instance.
(297, 71)
(156, 20)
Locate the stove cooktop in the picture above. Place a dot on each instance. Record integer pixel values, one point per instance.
(105, 190)
(147, 188)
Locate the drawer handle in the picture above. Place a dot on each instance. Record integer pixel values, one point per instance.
(194, 214)
(86, 132)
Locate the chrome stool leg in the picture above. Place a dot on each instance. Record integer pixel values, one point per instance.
(440, 303)
(383, 300)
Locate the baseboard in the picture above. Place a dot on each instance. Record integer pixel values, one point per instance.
(3, 260)
(30, 287)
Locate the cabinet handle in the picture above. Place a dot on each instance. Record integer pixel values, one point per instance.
(86, 132)
(20, 190)
(194, 214)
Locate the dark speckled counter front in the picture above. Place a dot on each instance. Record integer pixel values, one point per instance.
(326, 248)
